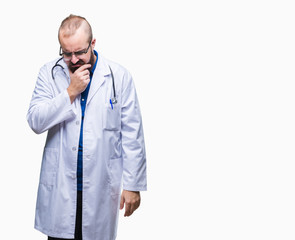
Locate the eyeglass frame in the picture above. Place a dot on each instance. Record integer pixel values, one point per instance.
(77, 54)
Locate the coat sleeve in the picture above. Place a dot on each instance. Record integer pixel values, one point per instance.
(47, 109)
(133, 146)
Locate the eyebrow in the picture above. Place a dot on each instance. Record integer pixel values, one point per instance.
(65, 50)
(73, 51)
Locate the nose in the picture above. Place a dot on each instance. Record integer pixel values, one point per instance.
(74, 59)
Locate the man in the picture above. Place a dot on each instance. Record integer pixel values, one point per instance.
(95, 140)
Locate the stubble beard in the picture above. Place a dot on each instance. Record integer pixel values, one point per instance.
(73, 68)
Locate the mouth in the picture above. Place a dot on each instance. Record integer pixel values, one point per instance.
(74, 67)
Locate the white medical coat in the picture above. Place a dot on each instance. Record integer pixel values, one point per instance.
(113, 150)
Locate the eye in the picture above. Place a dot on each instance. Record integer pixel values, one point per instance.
(67, 54)
(79, 53)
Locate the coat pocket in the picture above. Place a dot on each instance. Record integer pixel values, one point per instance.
(112, 117)
(116, 170)
(49, 166)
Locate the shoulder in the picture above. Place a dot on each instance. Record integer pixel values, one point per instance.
(50, 64)
(123, 78)
(116, 68)
(52, 68)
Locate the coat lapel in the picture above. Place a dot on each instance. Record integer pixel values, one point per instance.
(102, 70)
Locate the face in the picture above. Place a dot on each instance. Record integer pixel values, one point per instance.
(77, 43)
(74, 66)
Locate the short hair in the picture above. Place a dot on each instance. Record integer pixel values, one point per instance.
(71, 23)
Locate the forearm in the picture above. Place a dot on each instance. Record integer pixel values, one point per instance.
(46, 113)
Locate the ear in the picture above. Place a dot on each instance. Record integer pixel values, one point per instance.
(93, 43)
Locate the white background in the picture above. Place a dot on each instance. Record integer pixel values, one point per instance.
(215, 80)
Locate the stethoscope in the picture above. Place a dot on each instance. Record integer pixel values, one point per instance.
(113, 100)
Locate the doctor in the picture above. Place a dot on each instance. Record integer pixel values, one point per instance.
(94, 143)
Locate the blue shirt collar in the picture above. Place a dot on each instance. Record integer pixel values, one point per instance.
(94, 66)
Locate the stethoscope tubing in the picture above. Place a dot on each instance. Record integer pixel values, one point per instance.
(56, 65)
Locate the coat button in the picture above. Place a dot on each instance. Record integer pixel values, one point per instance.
(74, 148)
(77, 122)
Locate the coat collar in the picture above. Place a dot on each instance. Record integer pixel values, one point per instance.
(102, 70)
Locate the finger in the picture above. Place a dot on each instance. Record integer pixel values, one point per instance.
(84, 67)
(127, 210)
(86, 73)
(133, 207)
(136, 206)
(122, 202)
(87, 78)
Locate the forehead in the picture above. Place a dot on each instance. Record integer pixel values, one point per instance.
(74, 42)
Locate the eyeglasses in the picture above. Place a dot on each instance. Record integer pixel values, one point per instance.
(68, 55)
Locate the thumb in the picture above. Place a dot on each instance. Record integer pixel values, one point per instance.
(122, 202)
